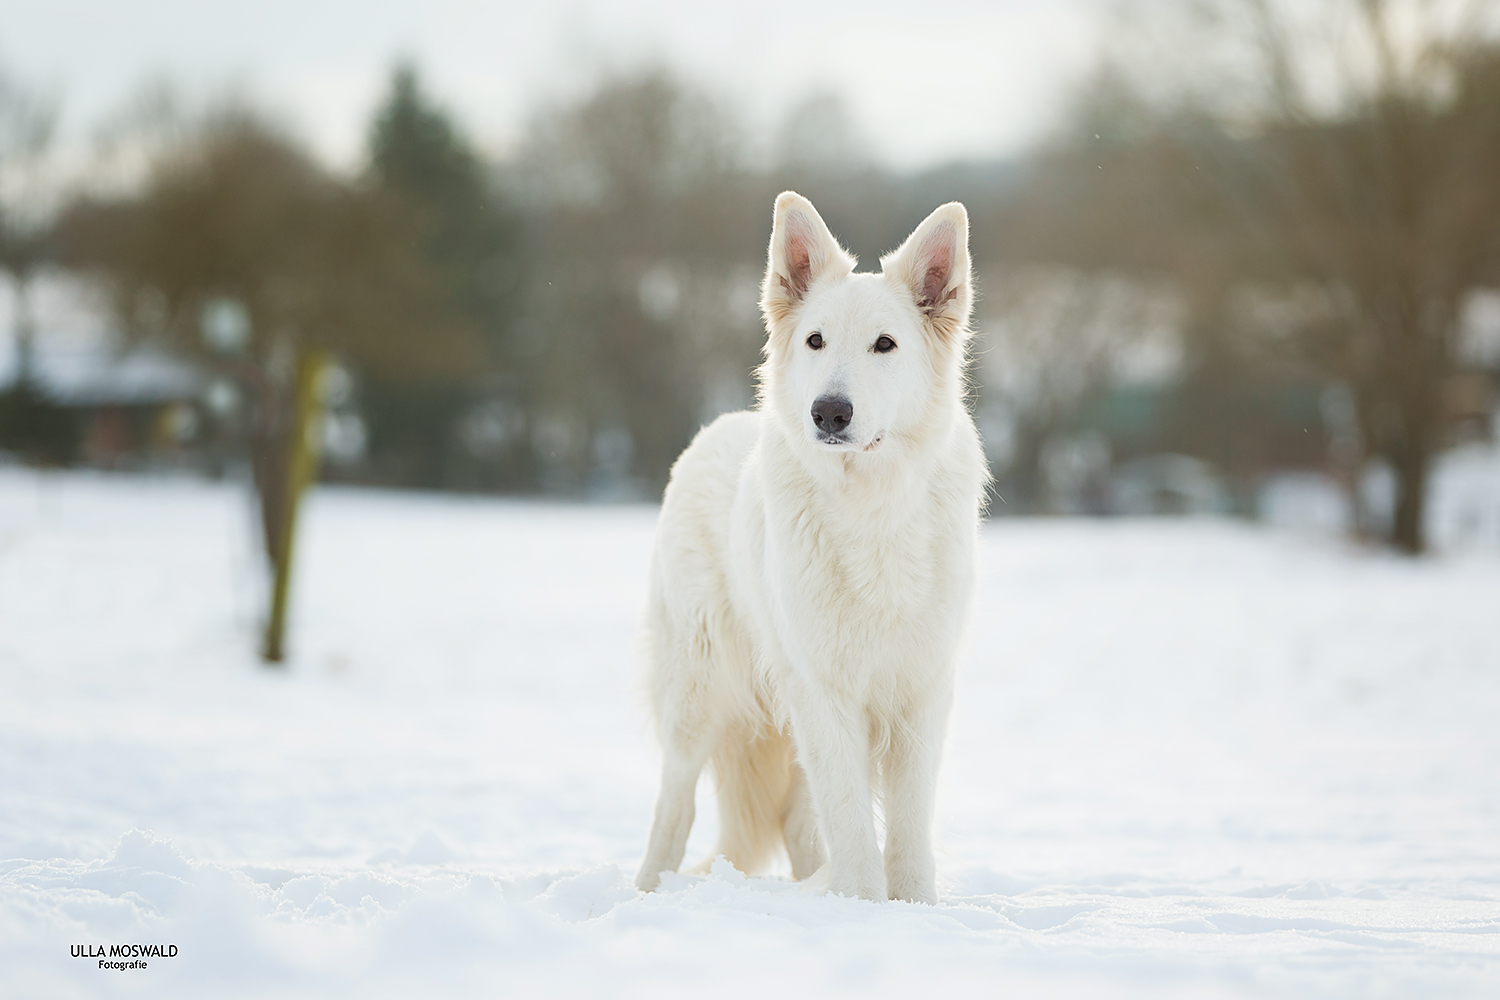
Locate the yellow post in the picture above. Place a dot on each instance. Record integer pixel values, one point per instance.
(302, 467)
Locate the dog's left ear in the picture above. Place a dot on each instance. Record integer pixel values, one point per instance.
(933, 264)
(803, 253)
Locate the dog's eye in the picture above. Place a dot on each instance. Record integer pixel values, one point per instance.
(815, 341)
(885, 344)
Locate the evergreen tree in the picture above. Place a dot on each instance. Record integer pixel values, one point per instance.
(419, 156)
(421, 160)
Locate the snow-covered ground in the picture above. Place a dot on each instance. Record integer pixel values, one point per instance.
(1188, 759)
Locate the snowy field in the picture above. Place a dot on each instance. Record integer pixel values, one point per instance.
(1188, 759)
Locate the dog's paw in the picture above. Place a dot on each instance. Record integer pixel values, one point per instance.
(817, 883)
(648, 879)
(914, 894)
(702, 867)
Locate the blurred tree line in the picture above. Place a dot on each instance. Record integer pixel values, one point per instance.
(559, 323)
(1285, 205)
(1319, 185)
(27, 121)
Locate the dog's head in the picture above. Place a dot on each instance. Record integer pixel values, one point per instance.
(854, 361)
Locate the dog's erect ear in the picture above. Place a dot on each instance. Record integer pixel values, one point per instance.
(803, 252)
(933, 264)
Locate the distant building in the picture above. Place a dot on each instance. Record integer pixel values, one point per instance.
(124, 407)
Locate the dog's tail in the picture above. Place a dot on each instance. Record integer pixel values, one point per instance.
(753, 773)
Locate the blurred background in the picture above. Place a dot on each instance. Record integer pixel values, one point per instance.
(1234, 256)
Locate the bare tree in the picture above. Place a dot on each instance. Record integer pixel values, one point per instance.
(1052, 340)
(819, 135)
(1336, 158)
(642, 233)
(242, 251)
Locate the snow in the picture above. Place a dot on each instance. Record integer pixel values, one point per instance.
(1189, 758)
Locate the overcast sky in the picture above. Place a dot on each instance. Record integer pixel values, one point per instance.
(926, 82)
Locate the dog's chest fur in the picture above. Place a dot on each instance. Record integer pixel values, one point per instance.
(861, 579)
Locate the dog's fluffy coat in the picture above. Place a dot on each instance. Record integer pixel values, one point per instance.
(813, 566)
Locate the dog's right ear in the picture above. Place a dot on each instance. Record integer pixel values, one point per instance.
(803, 252)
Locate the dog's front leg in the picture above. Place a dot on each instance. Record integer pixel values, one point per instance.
(909, 769)
(833, 746)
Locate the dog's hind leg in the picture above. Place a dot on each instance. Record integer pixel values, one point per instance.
(754, 774)
(800, 827)
(680, 650)
(675, 809)
(696, 693)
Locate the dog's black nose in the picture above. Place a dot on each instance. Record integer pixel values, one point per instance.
(832, 413)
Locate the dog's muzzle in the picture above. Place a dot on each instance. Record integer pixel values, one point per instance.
(831, 416)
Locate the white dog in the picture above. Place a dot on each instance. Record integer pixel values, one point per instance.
(813, 567)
